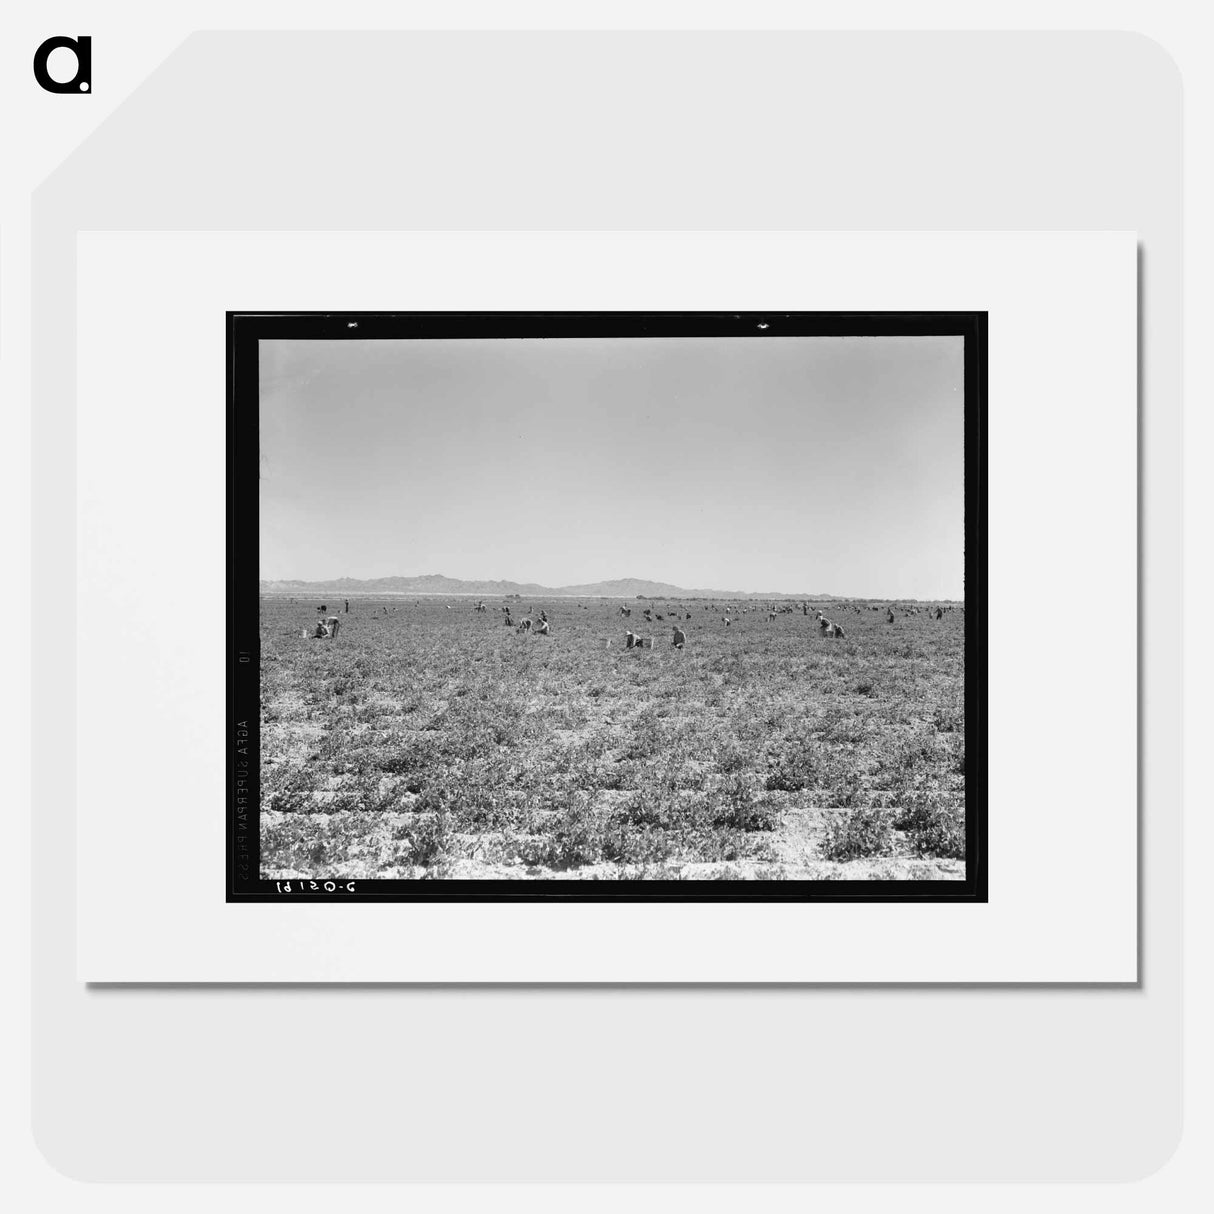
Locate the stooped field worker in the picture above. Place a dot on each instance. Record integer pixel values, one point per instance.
(827, 628)
(541, 629)
(322, 630)
(680, 638)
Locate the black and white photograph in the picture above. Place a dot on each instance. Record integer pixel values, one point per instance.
(701, 515)
(669, 605)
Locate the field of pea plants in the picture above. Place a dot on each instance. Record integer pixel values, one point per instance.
(430, 740)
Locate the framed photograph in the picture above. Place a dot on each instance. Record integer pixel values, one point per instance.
(607, 605)
(779, 430)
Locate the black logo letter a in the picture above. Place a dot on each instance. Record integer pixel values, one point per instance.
(82, 48)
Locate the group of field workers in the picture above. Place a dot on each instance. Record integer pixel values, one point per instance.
(537, 624)
(327, 626)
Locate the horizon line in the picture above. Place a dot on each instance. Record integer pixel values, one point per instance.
(561, 590)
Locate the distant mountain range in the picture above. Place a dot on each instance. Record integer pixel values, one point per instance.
(435, 583)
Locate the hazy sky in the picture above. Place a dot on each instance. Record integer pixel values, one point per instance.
(801, 464)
